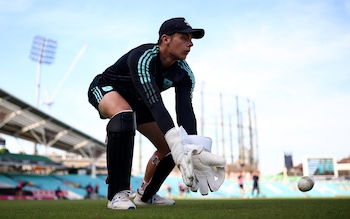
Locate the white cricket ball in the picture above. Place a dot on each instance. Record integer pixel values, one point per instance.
(305, 184)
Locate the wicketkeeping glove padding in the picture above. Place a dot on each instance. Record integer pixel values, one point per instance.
(178, 140)
(209, 170)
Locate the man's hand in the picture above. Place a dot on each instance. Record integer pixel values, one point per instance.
(178, 141)
(208, 168)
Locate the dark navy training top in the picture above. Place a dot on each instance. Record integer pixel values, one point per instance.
(141, 67)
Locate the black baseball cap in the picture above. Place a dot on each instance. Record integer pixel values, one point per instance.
(179, 25)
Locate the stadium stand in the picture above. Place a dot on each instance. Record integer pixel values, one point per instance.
(24, 159)
(81, 181)
(74, 186)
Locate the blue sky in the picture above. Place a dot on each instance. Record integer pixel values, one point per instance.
(291, 58)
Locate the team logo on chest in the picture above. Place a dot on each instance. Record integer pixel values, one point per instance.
(167, 83)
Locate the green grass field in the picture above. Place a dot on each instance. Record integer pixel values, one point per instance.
(184, 208)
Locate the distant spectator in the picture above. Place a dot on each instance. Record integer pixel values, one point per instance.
(97, 188)
(89, 191)
(182, 189)
(59, 193)
(20, 188)
(241, 184)
(168, 189)
(256, 183)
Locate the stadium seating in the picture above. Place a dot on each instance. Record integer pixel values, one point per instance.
(75, 186)
(81, 181)
(6, 182)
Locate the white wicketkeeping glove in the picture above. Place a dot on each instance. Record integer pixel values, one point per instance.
(182, 155)
(209, 169)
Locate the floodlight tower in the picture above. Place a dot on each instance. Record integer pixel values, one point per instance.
(43, 51)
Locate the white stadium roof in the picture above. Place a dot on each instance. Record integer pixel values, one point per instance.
(21, 120)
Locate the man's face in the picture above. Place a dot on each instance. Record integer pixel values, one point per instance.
(179, 45)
